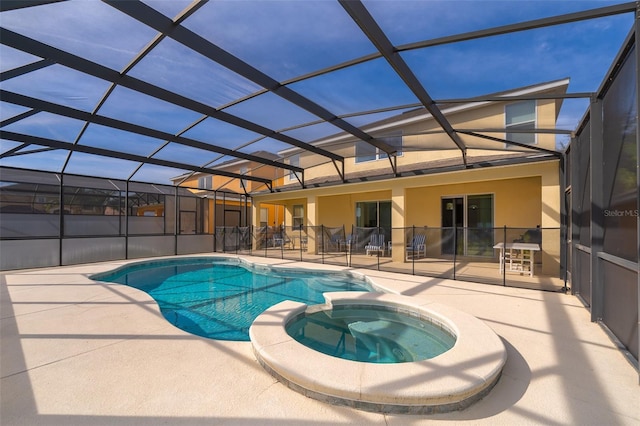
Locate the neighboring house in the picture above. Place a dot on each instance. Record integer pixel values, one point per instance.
(227, 196)
(500, 184)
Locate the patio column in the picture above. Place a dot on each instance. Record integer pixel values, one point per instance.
(397, 223)
(312, 224)
(551, 198)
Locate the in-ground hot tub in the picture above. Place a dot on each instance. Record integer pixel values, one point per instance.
(377, 333)
(450, 381)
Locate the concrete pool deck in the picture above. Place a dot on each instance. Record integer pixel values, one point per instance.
(76, 352)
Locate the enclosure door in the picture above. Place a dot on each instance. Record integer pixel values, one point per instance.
(231, 218)
(187, 223)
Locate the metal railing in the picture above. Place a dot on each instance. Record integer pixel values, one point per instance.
(523, 257)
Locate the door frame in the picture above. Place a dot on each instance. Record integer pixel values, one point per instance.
(465, 215)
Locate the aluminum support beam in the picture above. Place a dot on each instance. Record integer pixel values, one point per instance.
(12, 151)
(34, 47)
(597, 208)
(510, 98)
(25, 69)
(525, 26)
(576, 209)
(6, 5)
(18, 117)
(370, 27)
(144, 52)
(156, 20)
(508, 142)
(637, 58)
(35, 140)
(504, 130)
(563, 219)
(16, 152)
(65, 111)
(340, 170)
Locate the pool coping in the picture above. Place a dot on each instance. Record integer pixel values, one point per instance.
(451, 381)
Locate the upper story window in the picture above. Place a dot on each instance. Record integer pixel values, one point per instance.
(294, 160)
(367, 152)
(205, 182)
(521, 116)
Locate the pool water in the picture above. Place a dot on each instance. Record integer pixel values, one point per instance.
(219, 299)
(370, 334)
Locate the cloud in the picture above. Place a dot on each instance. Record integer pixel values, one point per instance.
(174, 67)
(88, 28)
(60, 85)
(49, 126)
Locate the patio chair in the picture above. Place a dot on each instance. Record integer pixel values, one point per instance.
(417, 247)
(376, 244)
(282, 240)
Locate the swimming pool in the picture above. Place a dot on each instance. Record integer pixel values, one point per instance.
(219, 298)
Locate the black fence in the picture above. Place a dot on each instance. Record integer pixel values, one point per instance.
(521, 257)
(602, 202)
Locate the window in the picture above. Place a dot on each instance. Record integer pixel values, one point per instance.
(298, 216)
(367, 152)
(264, 216)
(521, 116)
(205, 182)
(294, 160)
(371, 214)
(193, 215)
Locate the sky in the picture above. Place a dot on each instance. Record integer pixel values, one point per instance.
(283, 39)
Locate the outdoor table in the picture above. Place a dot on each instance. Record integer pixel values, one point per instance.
(517, 257)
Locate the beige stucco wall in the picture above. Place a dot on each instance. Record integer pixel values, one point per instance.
(525, 195)
(517, 202)
(337, 203)
(338, 210)
(424, 140)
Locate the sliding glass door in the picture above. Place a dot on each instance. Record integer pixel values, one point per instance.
(479, 233)
(374, 214)
(467, 225)
(371, 214)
